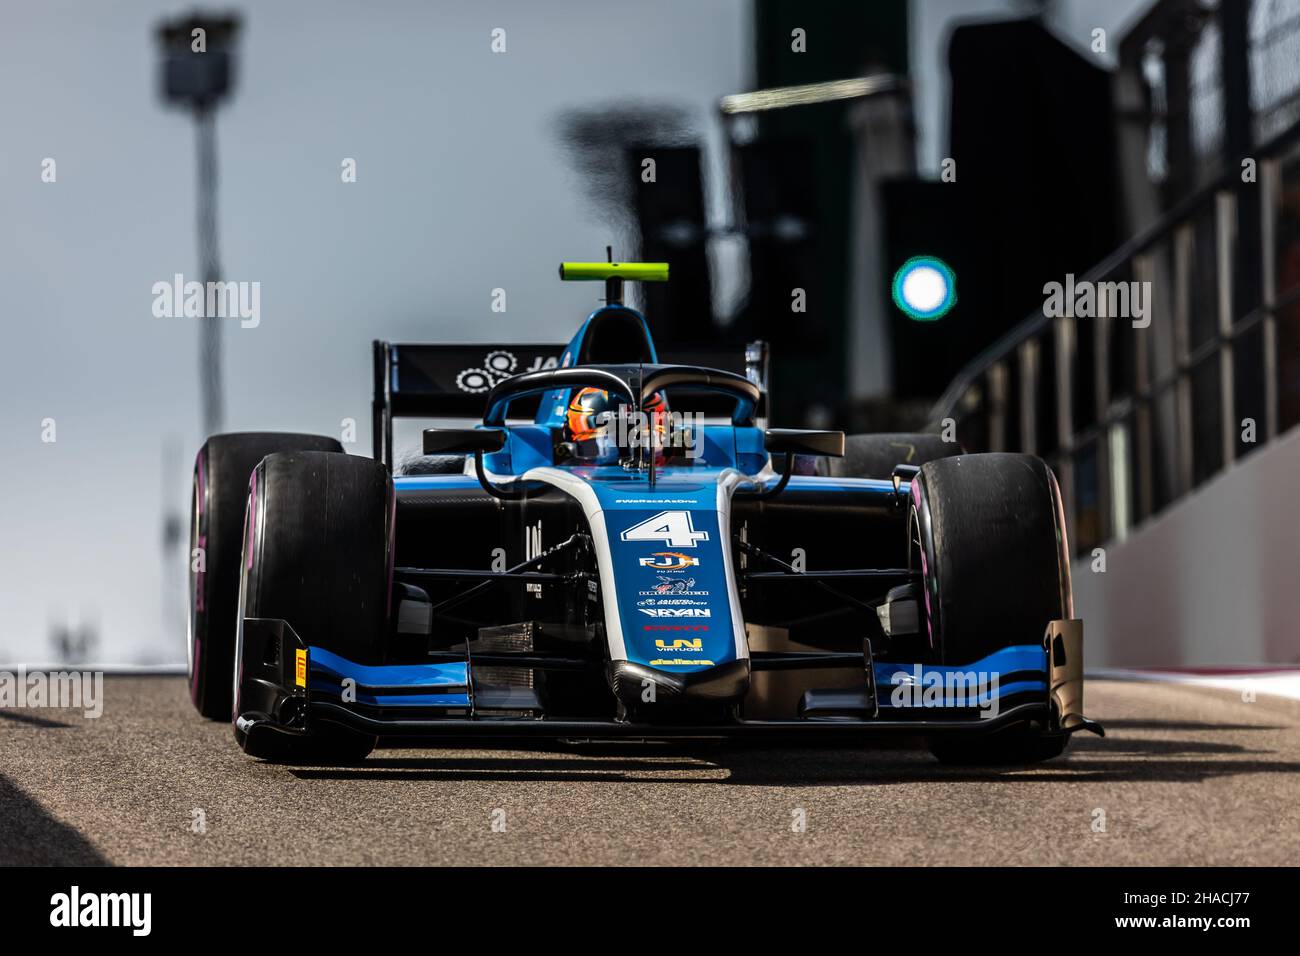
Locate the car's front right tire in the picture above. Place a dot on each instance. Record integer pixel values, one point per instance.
(318, 554)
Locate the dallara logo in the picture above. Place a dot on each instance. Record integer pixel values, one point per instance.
(679, 644)
(676, 611)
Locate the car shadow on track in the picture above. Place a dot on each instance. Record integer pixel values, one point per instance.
(525, 765)
(1116, 758)
(32, 720)
(1152, 724)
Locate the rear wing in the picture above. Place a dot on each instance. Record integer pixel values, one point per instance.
(452, 381)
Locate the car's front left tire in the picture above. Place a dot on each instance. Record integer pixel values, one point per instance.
(220, 488)
(987, 532)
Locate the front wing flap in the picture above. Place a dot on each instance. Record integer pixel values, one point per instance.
(285, 685)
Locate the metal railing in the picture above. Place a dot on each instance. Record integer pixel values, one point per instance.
(1133, 418)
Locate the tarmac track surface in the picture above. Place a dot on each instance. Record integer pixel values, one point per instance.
(1185, 775)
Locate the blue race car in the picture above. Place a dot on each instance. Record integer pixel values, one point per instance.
(620, 549)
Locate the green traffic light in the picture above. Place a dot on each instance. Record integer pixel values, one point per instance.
(925, 288)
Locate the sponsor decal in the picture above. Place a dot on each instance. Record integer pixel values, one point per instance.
(498, 366)
(655, 501)
(677, 662)
(669, 561)
(674, 585)
(679, 644)
(532, 549)
(300, 667)
(676, 611)
(670, 602)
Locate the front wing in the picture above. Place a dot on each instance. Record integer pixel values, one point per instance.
(285, 686)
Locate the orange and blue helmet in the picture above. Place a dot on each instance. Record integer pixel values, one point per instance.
(588, 411)
(591, 408)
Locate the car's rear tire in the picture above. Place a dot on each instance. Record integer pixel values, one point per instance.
(988, 533)
(220, 489)
(318, 554)
(875, 456)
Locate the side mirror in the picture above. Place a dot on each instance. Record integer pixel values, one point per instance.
(802, 441)
(463, 441)
(798, 441)
(470, 441)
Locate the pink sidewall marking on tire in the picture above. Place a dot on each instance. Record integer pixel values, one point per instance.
(200, 576)
(252, 519)
(925, 569)
(392, 548)
(201, 543)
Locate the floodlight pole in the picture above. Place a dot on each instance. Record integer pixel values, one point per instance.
(205, 127)
(198, 73)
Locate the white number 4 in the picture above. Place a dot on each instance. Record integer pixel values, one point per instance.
(674, 528)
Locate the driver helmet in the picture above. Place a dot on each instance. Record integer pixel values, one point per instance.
(591, 421)
(589, 410)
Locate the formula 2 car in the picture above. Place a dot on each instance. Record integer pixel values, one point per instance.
(620, 549)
